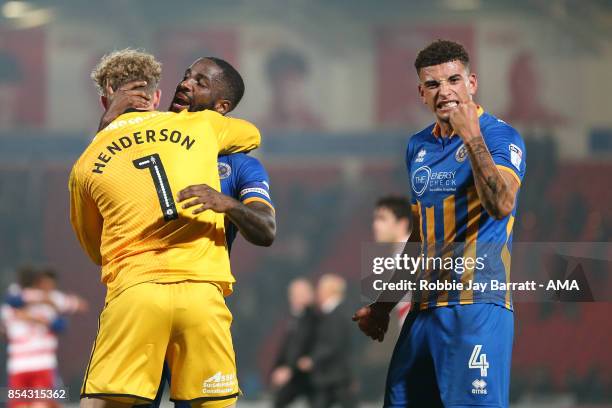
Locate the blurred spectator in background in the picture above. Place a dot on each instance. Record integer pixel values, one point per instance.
(10, 83)
(289, 109)
(525, 88)
(330, 360)
(32, 316)
(290, 381)
(391, 225)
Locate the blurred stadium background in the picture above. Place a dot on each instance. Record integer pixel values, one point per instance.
(332, 86)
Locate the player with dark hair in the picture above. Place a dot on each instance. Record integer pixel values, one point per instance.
(391, 225)
(391, 220)
(221, 84)
(442, 51)
(212, 83)
(465, 170)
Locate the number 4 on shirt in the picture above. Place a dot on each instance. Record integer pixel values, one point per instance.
(164, 193)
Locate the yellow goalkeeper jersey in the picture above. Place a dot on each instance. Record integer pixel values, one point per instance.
(123, 197)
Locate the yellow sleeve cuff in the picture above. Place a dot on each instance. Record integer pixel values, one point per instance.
(509, 170)
(258, 199)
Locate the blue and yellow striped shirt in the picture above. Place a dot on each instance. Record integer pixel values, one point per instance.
(453, 223)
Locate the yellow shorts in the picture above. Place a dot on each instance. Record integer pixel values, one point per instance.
(185, 323)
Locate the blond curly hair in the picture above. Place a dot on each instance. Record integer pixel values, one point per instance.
(123, 66)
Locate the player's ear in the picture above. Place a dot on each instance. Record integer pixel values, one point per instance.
(156, 98)
(422, 94)
(405, 225)
(223, 106)
(472, 84)
(420, 88)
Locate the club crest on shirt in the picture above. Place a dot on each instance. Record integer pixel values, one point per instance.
(461, 154)
(225, 170)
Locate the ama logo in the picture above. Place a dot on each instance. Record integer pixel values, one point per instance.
(420, 180)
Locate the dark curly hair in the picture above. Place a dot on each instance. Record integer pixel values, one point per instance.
(233, 84)
(398, 205)
(439, 52)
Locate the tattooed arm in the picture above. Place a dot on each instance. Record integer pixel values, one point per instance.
(496, 189)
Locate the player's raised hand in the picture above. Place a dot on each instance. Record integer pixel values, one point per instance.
(128, 96)
(464, 120)
(207, 198)
(372, 321)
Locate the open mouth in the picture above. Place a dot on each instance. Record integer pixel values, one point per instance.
(180, 101)
(181, 98)
(447, 105)
(178, 107)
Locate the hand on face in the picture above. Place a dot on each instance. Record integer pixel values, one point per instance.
(128, 96)
(444, 88)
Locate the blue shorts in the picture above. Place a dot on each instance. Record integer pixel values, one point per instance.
(452, 356)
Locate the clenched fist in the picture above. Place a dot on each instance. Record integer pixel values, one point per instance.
(464, 120)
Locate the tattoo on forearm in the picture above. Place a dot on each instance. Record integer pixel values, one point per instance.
(490, 185)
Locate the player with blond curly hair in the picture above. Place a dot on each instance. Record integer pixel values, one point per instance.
(166, 267)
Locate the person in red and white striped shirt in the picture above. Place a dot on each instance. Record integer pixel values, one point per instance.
(32, 316)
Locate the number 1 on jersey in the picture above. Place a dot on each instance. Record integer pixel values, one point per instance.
(164, 193)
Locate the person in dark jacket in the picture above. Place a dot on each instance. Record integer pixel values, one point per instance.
(291, 382)
(330, 359)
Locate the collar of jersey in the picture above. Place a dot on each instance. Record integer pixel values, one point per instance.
(436, 129)
(127, 115)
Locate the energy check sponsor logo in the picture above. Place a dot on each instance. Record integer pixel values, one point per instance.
(424, 178)
(420, 179)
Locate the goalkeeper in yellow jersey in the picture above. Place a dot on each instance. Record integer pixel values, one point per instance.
(166, 268)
